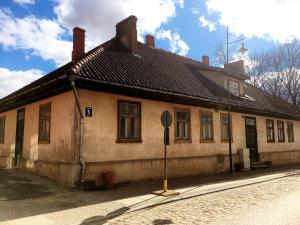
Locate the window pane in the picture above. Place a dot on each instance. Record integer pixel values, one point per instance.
(225, 135)
(234, 87)
(123, 109)
(206, 126)
(290, 131)
(129, 121)
(44, 122)
(182, 125)
(224, 127)
(280, 127)
(132, 110)
(182, 115)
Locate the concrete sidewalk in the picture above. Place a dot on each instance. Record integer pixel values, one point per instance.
(137, 197)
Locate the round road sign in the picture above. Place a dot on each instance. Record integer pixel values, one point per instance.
(166, 118)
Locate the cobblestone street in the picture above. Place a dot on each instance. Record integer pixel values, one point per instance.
(247, 198)
(273, 201)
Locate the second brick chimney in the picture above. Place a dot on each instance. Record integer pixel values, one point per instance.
(150, 40)
(78, 43)
(205, 60)
(126, 33)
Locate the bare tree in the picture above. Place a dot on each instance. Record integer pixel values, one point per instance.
(277, 71)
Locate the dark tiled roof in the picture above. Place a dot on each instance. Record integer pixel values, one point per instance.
(161, 73)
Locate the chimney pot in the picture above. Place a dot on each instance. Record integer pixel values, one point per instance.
(150, 41)
(205, 60)
(78, 43)
(126, 33)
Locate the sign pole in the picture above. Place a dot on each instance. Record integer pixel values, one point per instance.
(166, 120)
(166, 174)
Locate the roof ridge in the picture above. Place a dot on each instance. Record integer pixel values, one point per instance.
(172, 53)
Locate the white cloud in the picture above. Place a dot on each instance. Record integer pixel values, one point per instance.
(24, 2)
(45, 38)
(176, 44)
(205, 23)
(11, 81)
(100, 17)
(269, 19)
(41, 36)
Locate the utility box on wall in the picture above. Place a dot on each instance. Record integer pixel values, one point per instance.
(244, 158)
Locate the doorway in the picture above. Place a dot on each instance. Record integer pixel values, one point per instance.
(251, 138)
(19, 137)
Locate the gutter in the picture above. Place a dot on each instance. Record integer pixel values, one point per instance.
(81, 159)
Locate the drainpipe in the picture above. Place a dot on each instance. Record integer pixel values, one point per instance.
(81, 160)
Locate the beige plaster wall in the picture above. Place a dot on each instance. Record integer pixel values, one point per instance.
(135, 160)
(7, 150)
(60, 150)
(131, 161)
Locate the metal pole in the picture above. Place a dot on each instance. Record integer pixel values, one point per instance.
(165, 160)
(229, 117)
(166, 176)
(227, 45)
(229, 131)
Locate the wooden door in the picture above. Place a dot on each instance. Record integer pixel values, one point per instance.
(19, 136)
(251, 138)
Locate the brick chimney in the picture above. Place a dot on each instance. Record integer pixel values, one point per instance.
(126, 33)
(235, 67)
(205, 60)
(78, 43)
(150, 41)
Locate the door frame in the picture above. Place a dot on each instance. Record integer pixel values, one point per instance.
(19, 140)
(255, 157)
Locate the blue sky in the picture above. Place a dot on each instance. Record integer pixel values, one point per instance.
(35, 35)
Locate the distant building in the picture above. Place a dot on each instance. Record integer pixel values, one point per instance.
(123, 86)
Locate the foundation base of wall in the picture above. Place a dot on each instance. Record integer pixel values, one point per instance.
(68, 174)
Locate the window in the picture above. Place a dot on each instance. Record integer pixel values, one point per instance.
(290, 131)
(234, 87)
(44, 123)
(225, 128)
(129, 121)
(2, 129)
(280, 128)
(206, 126)
(182, 131)
(270, 131)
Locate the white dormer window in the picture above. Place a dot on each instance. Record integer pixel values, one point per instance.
(234, 87)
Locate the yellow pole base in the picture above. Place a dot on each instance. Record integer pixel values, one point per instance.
(165, 185)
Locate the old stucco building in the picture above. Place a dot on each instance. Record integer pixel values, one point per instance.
(102, 112)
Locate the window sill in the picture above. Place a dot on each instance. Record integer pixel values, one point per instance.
(271, 141)
(281, 141)
(180, 141)
(44, 142)
(226, 141)
(128, 141)
(207, 141)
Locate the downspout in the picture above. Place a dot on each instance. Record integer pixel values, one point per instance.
(81, 160)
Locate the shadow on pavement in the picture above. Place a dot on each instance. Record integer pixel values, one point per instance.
(162, 222)
(98, 220)
(23, 194)
(15, 187)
